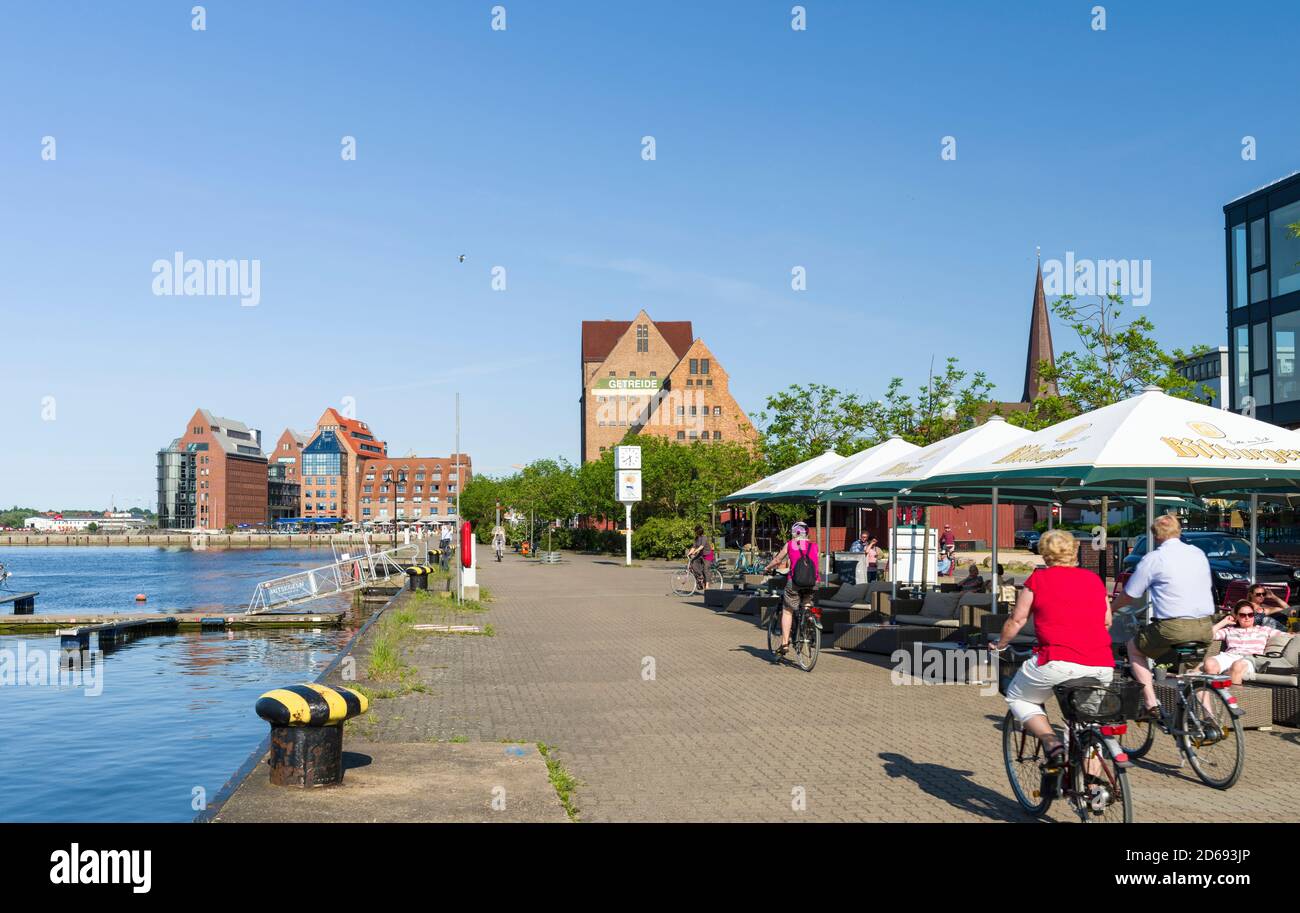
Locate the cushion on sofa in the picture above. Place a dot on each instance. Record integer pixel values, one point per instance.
(940, 605)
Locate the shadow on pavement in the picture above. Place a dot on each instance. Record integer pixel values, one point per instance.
(955, 787)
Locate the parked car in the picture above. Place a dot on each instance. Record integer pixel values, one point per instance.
(1022, 537)
(1229, 560)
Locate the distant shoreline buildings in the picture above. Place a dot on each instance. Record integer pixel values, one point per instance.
(215, 475)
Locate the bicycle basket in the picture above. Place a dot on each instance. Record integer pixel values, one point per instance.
(1087, 700)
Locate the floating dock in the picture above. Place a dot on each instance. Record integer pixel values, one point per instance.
(177, 621)
(24, 603)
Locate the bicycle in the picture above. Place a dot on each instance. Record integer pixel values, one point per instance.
(1093, 776)
(684, 583)
(805, 635)
(1206, 724)
(748, 561)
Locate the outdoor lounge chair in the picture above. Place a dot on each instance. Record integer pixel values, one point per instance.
(848, 596)
(938, 610)
(1278, 671)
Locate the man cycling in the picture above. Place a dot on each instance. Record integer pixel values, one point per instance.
(498, 540)
(1176, 576)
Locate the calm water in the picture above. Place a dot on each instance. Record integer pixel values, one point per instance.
(174, 712)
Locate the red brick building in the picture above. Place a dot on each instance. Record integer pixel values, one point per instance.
(411, 487)
(213, 476)
(331, 466)
(652, 377)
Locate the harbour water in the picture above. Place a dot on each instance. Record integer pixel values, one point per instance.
(170, 717)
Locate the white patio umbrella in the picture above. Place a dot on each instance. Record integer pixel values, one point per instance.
(805, 486)
(781, 486)
(1147, 441)
(765, 488)
(939, 457)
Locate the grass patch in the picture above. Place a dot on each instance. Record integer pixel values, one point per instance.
(484, 594)
(563, 781)
(459, 739)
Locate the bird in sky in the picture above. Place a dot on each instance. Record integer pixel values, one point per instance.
(462, 258)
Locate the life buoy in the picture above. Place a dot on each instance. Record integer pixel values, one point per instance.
(466, 544)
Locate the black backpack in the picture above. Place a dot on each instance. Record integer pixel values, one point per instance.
(803, 575)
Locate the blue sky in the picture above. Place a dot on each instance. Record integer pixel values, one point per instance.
(522, 149)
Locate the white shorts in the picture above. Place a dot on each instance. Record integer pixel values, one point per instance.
(1033, 684)
(1226, 660)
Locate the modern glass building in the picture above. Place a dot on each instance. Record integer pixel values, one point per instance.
(176, 487)
(1262, 232)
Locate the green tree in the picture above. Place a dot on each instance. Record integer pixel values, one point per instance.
(948, 404)
(15, 516)
(1117, 356)
(801, 422)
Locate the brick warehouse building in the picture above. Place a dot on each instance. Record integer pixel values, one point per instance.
(212, 476)
(411, 487)
(284, 488)
(331, 466)
(650, 377)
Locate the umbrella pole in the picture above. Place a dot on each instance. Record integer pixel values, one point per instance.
(996, 582)
(1254, 537)
(830, 518)
(753, 526)
(893, 551)
(1151, 514)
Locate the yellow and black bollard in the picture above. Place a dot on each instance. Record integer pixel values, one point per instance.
(307, 732)
(417, 577)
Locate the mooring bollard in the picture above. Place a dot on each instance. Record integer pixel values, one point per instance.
(307, 732)
(417, 577)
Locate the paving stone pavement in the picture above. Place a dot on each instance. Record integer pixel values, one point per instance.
(665, 710)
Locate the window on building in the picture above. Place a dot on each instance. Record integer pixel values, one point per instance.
(704, 366)
(1286, 329)
(642, 338)
(717, 410)
(695, 366)
(1258, 266)
(681, 436)
(612, 374)
(631, 374)
(691, 435)
(709, 382)
(689, 382)
(1284, 244)
(717, 435)
(1259, 382)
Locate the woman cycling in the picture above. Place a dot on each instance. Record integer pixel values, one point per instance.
(791, 596)
(1072, 620)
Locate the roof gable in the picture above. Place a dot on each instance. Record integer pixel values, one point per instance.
(600, 336)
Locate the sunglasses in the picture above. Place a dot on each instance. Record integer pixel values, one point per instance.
(1245, 614)
(1259, 593)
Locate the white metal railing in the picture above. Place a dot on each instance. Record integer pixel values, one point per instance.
(343, 576)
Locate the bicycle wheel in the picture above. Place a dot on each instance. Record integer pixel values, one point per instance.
(1101, 792)
(809, 643)
(1022, 754)
(1210, 736)
(713, 579)
(683, 584)
(774, 635)
(1137, 739)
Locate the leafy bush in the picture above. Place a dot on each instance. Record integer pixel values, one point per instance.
(663, 537)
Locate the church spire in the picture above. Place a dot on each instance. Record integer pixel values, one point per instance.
(1040, 343)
